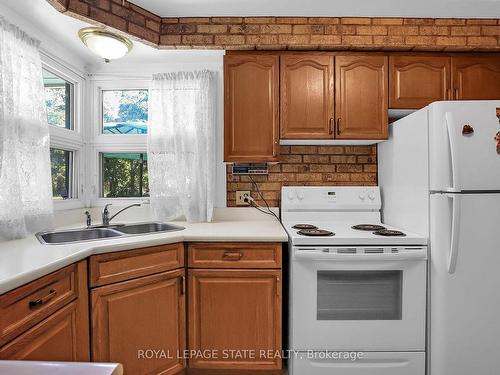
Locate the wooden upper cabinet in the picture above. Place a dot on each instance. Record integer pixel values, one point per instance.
(361, 94)
(306, 96)
(251, 108)
(476, 77)
(136, 315)
(416, 81)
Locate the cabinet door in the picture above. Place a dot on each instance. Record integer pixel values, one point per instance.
(251, 99)
(416, 81)
(235, 310)
(306, 97)
(476, 77)
(361, 97)
(53, 339)
(132, 317)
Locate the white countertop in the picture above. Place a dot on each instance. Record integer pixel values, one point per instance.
(25, 260)
(59, 368)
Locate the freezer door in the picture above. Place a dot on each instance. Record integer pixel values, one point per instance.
(464, 284)
(464, 162)
(371, 363)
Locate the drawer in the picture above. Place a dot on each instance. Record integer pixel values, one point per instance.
(125, 265)
(371, 363)
(234, 255)
(22, 308)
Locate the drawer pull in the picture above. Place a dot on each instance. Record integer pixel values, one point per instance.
(232, 255)
(39, 302)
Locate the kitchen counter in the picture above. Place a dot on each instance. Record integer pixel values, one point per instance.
(59, 368)
(25, 260)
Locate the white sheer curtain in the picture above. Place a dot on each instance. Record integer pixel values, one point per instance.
(181, 153)
(25, 181)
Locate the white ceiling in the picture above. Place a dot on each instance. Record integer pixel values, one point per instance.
(42, 21)
(324, 8)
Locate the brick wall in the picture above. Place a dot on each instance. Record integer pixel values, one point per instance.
(276, 33)
(306, 166)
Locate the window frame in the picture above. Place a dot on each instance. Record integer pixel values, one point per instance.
(72, 98)
(112, 143)
(70, 139)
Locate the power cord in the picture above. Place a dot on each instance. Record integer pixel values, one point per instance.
(254, 204)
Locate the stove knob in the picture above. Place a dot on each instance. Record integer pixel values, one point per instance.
(362, 196)
(371, 196)
(300, 196)
(290, 196)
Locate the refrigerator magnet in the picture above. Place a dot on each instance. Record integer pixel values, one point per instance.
(497, 138)
(467, 130)
(498, 114)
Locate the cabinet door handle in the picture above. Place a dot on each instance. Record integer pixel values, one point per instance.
(339, 123)
(182, 280)
(232, 255)
(277, 285)
(275, 148)
(39, 302)
(448, 95)
(331, 126)
(456, 94)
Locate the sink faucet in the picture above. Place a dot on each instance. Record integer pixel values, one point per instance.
(105, 213)
(88, 219)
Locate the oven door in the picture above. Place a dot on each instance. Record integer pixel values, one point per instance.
(372, 299)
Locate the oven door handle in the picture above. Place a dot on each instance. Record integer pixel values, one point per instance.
(414, 254)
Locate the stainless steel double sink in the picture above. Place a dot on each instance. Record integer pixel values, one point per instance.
(104, 232)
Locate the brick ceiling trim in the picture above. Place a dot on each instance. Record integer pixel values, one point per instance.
(280, 33)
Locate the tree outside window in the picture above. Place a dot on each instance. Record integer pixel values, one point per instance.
(125, 111)
(124, 175)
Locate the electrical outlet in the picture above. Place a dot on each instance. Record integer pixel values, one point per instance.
(240, 196)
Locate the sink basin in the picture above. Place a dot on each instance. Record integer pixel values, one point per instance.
(77, 235)
(100, 232)
(145, 228)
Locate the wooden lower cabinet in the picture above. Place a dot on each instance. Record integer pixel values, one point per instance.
(140, 323)
(47, 319)
(54, 339)
(235, 310)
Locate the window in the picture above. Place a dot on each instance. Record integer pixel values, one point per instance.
(64, 88)
(124, 175)
(125, 111)
(359, 295)
(118, 164)
(59, 100)
(61, 162)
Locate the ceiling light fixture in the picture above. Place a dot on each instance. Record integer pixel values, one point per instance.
(104, 43)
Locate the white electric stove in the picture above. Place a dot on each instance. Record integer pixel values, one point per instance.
(353, 290)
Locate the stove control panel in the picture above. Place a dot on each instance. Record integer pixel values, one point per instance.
(330, 198)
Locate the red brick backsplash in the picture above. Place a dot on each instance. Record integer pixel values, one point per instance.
(309, 166)
(279, 33)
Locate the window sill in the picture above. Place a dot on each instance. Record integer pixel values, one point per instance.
(67, 204)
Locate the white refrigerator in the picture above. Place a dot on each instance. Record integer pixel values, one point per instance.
(439, 173)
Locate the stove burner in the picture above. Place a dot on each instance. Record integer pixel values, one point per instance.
(389, 233)
(315, 232)
(304, 226)
(370, 227)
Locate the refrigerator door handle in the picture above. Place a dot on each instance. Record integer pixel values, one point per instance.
(455, 232)
(450, 124)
